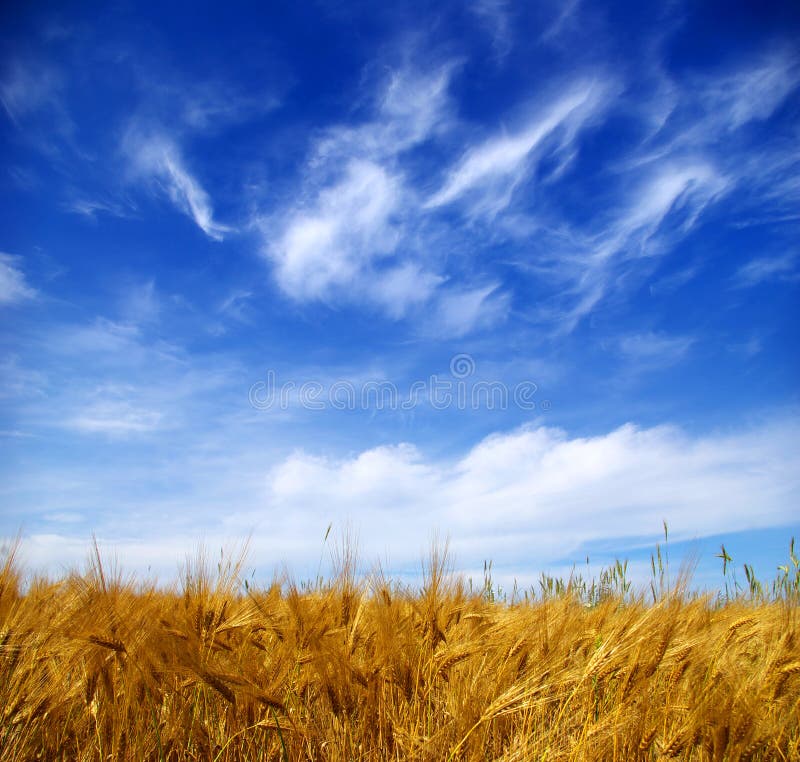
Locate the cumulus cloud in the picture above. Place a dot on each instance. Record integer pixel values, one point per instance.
(13, 285)
(526, 498)
(537, 492)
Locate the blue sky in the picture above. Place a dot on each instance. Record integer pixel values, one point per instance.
(589, 210)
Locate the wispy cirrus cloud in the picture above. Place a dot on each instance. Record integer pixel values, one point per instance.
(752, 92)
(27, 87)
(764, 269)
(590, 265)
(697, 157)
(651, 350)
(33, 94)
(667, 284)
(19, 381)
(409, 106)
(496, 18)
(461, 310)
(114, 415)
(488, 173)
(93, 207)
(355, 232)
(695, 154)
(155, 157)
(334, 243)
(140, 303)
(214, 105)
(14, 287)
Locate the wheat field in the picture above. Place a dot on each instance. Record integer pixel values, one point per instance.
(96, 666)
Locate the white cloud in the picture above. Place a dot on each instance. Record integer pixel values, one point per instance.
(64, 517)
(116, 418)
(88, 207)
(489, 172)
(114, 409)
(13, 286)
(404, 287)
(360, 232)
(567, 13)
(761, 269)
(536, 492)
(352, 234)
(648, 350)
(155, 156)
(140, 303)
(333, 244)
(588, 266)
(661, 188)
(410, 107)
(495, 16)
(460, 310)
(672, 282)
(754, 92)
(207, 106)
(19, 381)
(525, 498)
(687, 187)
(236, 306)
(27, 87)
(117, 340)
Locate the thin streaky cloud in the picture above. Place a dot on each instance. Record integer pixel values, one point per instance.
(28, 87)
(91, 208)
(495, 17)
(408, 107)
(500, 161)
(764, 269)
(459, 311)
(567, 13)
(586, 265)
(754, 92)
(116, 419)
(154, 156)
(672, 282)
(655, 350)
